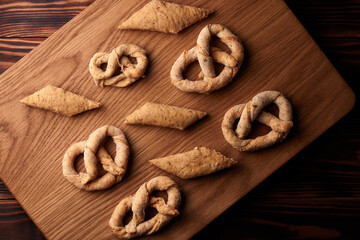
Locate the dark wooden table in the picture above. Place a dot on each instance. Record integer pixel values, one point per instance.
(314, 196)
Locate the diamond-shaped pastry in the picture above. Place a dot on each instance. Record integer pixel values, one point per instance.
(198, 162)
(162, 115)
(60, 101)
(165, 17)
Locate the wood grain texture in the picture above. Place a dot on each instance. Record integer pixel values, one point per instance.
(13, 49)
(14, 223)
(23, 18)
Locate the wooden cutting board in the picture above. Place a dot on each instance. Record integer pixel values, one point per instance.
(280, 55)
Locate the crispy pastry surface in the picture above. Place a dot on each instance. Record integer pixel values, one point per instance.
(118, 58)
(139, 202)
(165, 17)
(60, 101)
(95, 154)
(198, 162)
(206, 55)
(253, 110)
(162, 115)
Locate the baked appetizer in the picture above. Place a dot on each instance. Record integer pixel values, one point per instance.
(208, 81)
(137, 203)
(95, 154)
(198, 162)
(165, 17)
(118, 59)
(253, 110)
(162, 115)
(60, 101)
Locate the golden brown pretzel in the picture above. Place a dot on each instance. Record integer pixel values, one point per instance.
(206, 56)
(94, 153)
(118, 58)
(252, 111)
(139, 202)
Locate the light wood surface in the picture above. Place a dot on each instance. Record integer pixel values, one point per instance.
(280, 55)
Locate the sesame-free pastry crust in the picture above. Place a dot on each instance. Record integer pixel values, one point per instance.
(139, 202)
(118, 58)
(198, 162)
(60, 101)
(208, 81)
(253, 110)
(162, 16)
(162, 115)
(95, 154)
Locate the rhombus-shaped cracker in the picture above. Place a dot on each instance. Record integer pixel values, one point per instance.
(198, 162)
(60, 101)
(165, 17)
(162, 115)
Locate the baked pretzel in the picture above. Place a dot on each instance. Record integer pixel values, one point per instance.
(252, 111)
(209, 82)
(139, 202)
(118, 58)
(94, 153)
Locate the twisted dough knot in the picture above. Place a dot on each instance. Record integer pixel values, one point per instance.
(206, 56)
(118, 58)
(94, 153)
(252, 111)
(139, 202)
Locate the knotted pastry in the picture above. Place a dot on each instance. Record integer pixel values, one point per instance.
(253, 110)
(130, 72)
(94, 154)
(139, 202)
(60, 101)
(208, 81)
(165, 17)
(198, 162)
(164, 116)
